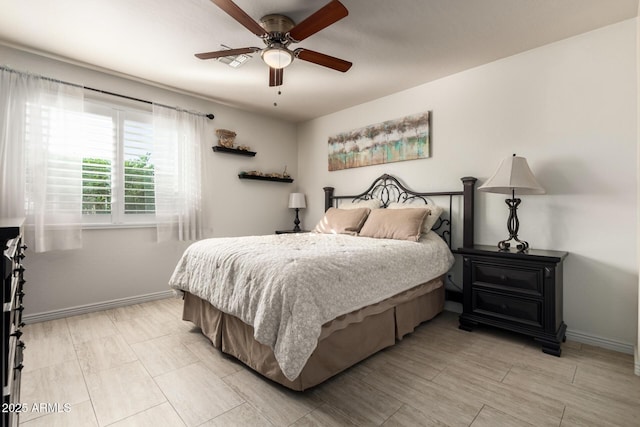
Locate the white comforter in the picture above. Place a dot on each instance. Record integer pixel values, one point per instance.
(287, 286)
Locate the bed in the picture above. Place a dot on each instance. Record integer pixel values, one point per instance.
(299, 308)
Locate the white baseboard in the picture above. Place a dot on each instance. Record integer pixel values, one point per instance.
(90, 308)
(449, 306)
(577, 336)
(610, 344)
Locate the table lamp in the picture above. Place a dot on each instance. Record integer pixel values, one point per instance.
(296, 201)
(513, 176)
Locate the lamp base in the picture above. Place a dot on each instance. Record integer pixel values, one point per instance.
(513, 225)
(521, 245)
(296, 222)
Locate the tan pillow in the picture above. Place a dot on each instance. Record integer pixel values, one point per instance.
(342, 221)
(399, 224)
(429, 220)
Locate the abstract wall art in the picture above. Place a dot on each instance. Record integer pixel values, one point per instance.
(407, 138)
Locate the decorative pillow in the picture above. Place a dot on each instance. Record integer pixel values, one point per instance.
(342, 221)
(399, 224)
(429, 220)
(371, 204)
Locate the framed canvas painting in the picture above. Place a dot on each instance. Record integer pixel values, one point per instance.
(407, 138)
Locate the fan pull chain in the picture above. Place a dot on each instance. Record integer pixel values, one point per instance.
(275, 104)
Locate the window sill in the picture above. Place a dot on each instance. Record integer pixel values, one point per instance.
(98, 226)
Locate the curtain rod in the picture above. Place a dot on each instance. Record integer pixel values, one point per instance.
(208, 116)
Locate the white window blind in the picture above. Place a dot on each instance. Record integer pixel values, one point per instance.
(57, 129)
(98, 160)
(139, 188)
(114, 146)
(118, 174)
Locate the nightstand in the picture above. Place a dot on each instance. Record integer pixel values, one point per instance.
(290, 231)
(518, 291)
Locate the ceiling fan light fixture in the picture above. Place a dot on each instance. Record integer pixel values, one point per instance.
(277, 57)
(277, 32)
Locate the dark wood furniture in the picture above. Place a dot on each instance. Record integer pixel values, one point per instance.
(291, 231)
(518, 291)
(12, 274)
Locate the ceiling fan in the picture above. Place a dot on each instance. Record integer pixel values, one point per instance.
(278, 32)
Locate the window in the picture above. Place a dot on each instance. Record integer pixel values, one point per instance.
(111, 156)
(117, 169)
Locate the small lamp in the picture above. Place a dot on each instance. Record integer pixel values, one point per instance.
(513, 176)
(296, 201)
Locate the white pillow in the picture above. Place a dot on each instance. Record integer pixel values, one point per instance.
(371, 204)
(429, 221)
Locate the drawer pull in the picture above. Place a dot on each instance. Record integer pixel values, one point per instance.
(504, 306)
(503, 278)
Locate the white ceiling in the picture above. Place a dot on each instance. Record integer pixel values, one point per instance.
(394, 45)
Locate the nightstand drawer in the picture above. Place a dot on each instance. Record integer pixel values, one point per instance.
(520, 310)
(520, 279)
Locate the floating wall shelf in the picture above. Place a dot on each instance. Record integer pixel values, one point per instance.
(221, 149)
(264, 178)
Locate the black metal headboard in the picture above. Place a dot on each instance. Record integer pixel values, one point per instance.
(388, 189)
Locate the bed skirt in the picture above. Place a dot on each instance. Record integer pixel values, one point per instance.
(343, 342)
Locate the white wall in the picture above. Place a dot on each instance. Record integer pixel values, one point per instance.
(125, 263)
(570, 108)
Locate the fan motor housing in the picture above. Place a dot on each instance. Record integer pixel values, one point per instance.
(277, 23)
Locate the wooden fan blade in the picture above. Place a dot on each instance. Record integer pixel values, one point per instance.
(322, 18)
(241, 16)
(275, 76)
(322, 59)
(226, 52)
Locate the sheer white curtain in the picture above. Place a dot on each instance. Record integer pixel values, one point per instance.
(40, 178)
(178, 138)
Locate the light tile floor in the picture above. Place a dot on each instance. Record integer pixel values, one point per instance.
(143, 366)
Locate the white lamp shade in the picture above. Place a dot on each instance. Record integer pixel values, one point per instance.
(277, 57)
(296, 200)
(513, 174)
